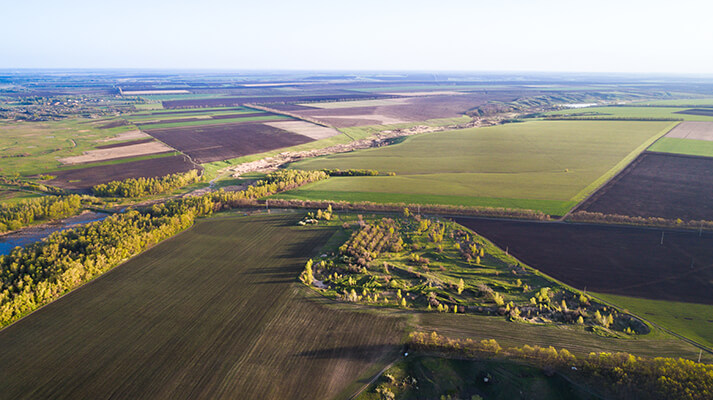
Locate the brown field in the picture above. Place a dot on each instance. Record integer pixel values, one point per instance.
(148, 124)
(692, 130)
(236, 101)
(209, 143)
(414, 110)
(85, 178)
(627, 261)
(659, 185)
(213, 313)
(104, 154)
(122, 144)
(305, 128)
(708, 112)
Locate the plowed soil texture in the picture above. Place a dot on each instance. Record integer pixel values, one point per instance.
(659, 185)
(85, 178)
(209, 143)
(214, 313)
(627, 261)
(237, 101)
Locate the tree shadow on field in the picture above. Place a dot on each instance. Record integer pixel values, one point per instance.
(361, 353)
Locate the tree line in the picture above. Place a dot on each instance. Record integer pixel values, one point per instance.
(138, 187)
(623, 373)
(16, 216)
(39, 273)
(587, 216)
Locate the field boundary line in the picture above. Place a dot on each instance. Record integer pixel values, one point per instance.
(612, 173)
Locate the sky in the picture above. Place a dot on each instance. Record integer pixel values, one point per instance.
(437, 35)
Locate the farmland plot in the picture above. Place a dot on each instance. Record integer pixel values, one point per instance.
(626, 261)
(659, 185)
(212, 313)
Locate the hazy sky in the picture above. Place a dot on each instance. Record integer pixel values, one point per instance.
(516, 35)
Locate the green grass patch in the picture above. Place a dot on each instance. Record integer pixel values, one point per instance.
(630, 112)
(554, 161)
(30, 148)
(683, 146)
(312, 192)
(693, 321)
(117, 161)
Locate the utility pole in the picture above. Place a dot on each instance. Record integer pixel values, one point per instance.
(700, 352)
(267, 206)
(662, 237)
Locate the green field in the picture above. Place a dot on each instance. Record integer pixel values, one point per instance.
(436, 377)
(212, 313)
(693, 321)
(30, 148)
(679, 102)
(514, 334)
(630, 112)
(541, 165)
(683, 146)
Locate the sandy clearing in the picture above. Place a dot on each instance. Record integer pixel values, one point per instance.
(127, 136)
(117, 152)
(373, 119)
(358, 103)
(692, 130)
(305, 128)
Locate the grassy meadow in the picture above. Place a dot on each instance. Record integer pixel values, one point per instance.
(541, 165)
(683, 146)
(630, 112)
(31, 148)
(693, 321)
(211, 313)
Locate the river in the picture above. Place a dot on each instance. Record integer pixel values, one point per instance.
(33, 234)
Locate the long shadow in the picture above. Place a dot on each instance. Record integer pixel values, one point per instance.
(362, 353)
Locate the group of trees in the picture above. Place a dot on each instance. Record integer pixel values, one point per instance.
(137, 187)
(657, 378)
(354, 172)
(369, 241)
(39, 273)
(587, 216)
(26, 212)
(424, 208)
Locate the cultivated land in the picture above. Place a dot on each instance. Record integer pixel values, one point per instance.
(111, 153)
(213, 313)
(659, 185)
(225, 141)
(86, 177)
(692, 130)
(344, 114)
(625, 261)
(703, 148)
(540, 165)
(631, 112)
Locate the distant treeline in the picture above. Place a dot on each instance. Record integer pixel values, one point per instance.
(354, 172)
(586, 216)
(26, 212)
(622, 373)
(424, 208)
(138, 187)
(39, 273)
